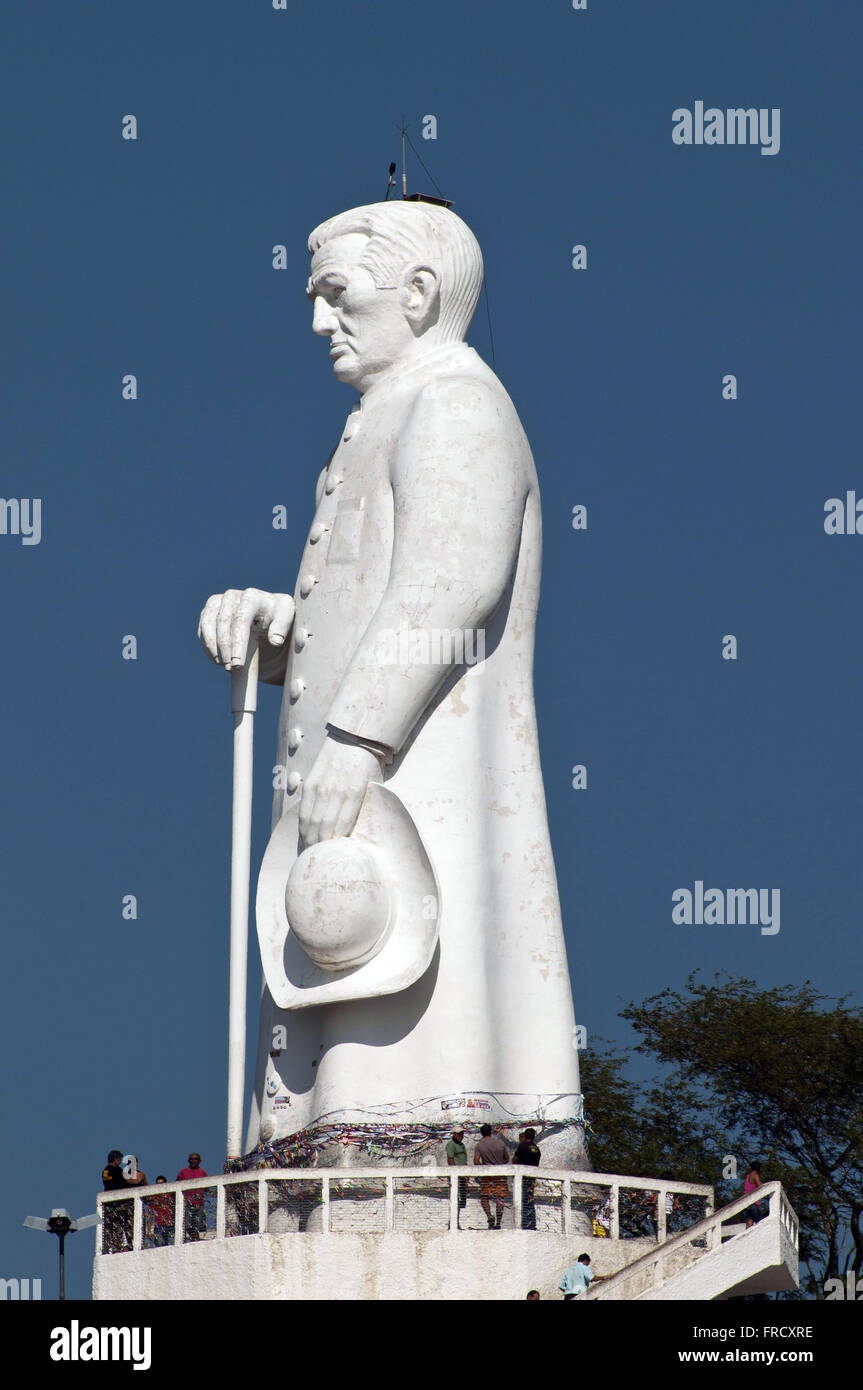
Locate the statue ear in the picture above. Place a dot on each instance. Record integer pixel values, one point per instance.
(420, 293)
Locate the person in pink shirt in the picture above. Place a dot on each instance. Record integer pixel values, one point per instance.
(196, 1217)
(752, 1183)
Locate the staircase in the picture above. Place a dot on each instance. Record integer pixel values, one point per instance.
(718, 1258)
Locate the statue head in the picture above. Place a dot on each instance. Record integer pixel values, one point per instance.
(389, 281)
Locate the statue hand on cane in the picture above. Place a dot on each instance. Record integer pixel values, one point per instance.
(228, 619)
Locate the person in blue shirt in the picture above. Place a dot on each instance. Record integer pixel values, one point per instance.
(577, 1279)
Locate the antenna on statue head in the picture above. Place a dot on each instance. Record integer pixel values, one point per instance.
(440, 200)
(404, 166)
(391, 182)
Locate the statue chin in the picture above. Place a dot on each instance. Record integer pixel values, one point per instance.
(337, 904)
(345, 370)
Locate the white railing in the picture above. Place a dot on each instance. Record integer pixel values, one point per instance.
(708, 1235)
(247, 1212)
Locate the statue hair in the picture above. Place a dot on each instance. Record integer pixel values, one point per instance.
(402, 234)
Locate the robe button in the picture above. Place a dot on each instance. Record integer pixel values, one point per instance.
(295, 738)
(292, 781)
(301, 637)
(307, 583)
(318, 530)
(331, 485)
(296, 688)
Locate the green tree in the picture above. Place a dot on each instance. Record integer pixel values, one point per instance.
(773, 1074)
(645, 1131)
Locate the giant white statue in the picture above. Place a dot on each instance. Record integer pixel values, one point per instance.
(407, 909)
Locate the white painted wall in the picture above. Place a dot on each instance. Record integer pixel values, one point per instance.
(394, 1265)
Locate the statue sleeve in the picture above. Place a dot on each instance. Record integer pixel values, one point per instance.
(460, 484)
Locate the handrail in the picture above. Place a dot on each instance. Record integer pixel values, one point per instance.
(781, 1209)
(332, 1178)
(429, 1171)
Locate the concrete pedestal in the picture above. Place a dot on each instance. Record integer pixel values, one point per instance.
(397, 1265)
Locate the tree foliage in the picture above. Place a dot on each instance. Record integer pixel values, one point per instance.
(774, 1074)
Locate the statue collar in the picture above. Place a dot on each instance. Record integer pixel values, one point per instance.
(437, 359)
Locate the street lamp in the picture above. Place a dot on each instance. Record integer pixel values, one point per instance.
(60, 1223)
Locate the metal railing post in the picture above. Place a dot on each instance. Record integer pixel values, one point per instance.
(325, 1213)
(453, 1198)
(178, 1216)
(263, 1206)
(220, 1209)
(137, 1223)
(389, 1203)
(567, 1206)
(517, 1197)
(615, 1211)
(714, 1235)
(661, 1216)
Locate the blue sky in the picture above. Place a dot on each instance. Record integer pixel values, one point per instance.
(705, 516)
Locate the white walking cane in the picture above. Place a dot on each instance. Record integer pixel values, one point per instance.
(244, 702)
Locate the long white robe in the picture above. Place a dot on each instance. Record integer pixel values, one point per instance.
(428, 518)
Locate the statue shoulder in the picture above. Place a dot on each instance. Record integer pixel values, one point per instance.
(471, 394)
(459, 418)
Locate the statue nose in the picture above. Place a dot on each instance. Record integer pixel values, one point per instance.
(324, 320)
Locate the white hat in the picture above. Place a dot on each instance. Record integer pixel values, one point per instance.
(348, 918)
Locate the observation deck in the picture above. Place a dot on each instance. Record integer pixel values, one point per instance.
(421, 1234)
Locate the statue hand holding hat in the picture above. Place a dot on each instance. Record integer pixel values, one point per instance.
(348, 901)
(334, 789)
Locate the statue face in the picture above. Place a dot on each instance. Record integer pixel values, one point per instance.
(369, 328)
